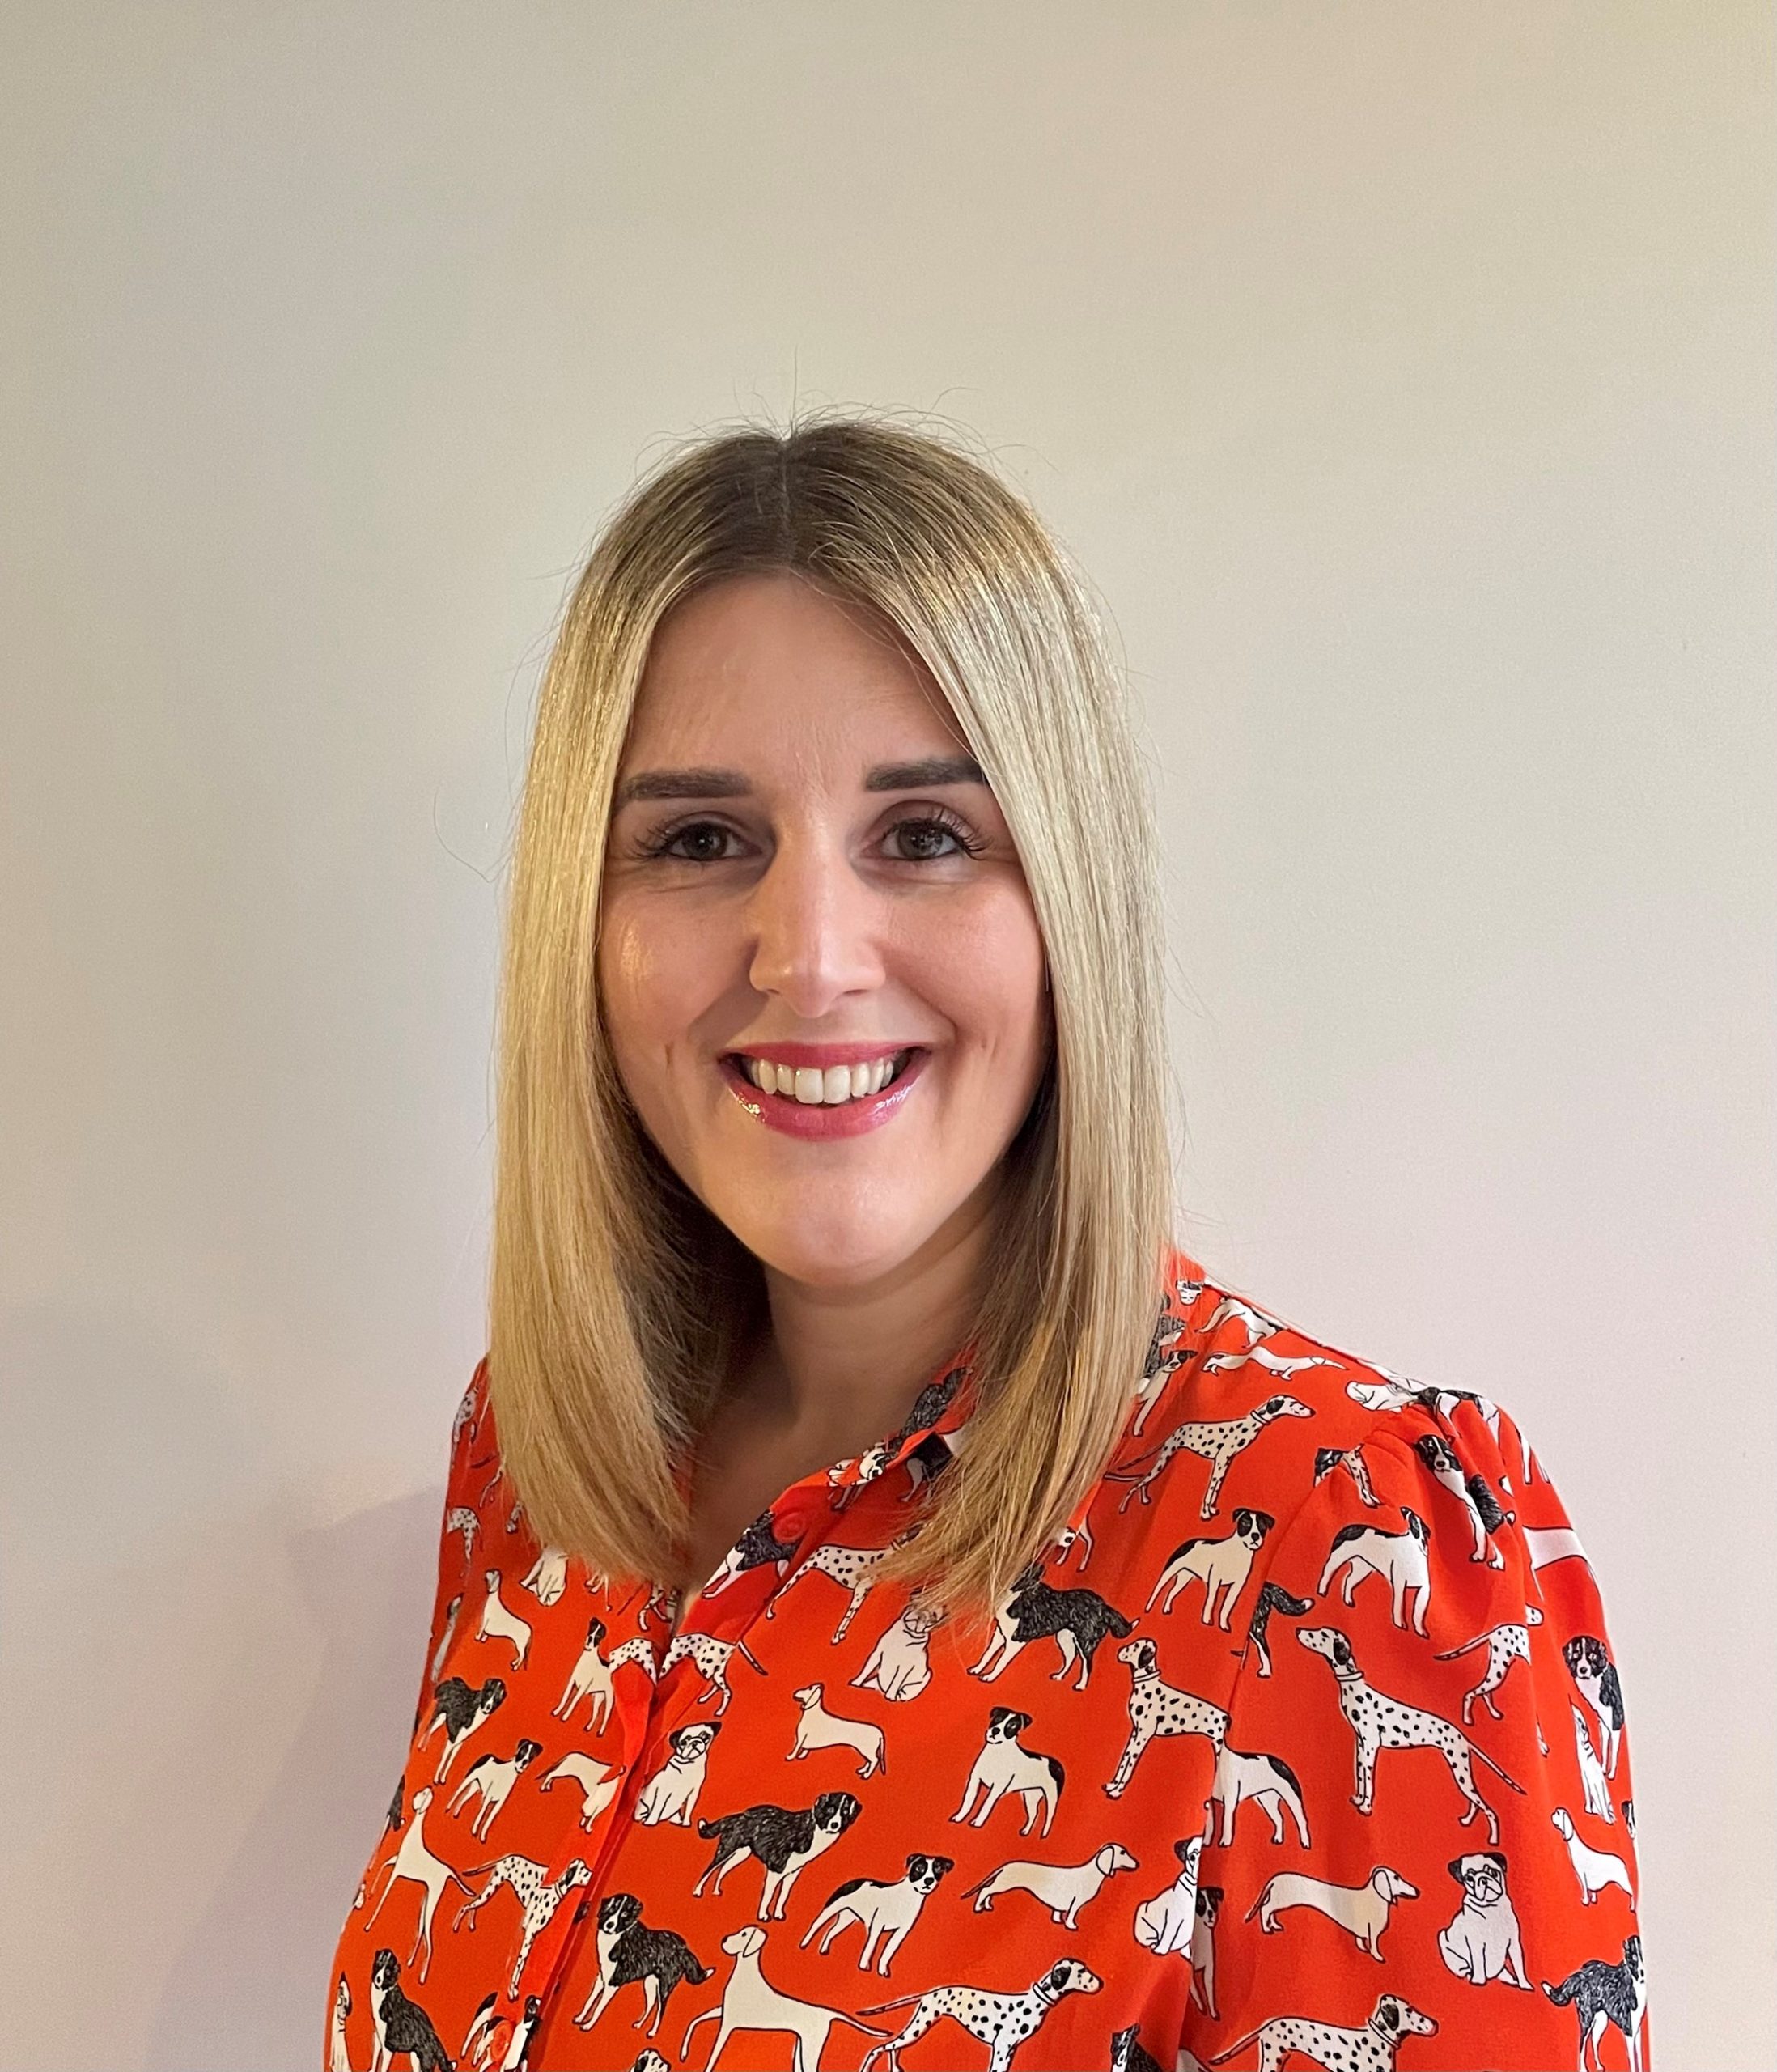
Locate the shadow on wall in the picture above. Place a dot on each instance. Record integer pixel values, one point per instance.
(215, 1700)
(250, 1986)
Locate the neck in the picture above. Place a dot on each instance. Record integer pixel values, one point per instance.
(836, 1367)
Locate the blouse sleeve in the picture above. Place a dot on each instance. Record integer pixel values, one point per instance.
(1439, 1861)
(473, 1467)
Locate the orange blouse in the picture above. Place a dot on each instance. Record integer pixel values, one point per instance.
(1302, 1744)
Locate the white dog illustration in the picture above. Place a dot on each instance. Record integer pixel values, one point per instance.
(1482, 1942)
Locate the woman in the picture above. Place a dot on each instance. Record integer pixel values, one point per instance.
(894, 1607)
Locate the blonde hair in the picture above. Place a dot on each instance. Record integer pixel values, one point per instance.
(617, 1299)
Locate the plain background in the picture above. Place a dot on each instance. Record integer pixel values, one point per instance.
(1401, 373)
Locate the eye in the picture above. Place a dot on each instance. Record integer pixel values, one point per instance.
(702, 839)
(940, 823)
(666, 842)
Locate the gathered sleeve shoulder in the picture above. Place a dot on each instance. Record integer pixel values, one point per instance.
(1439, 1861)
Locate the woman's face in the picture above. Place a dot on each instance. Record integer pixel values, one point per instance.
(777, 877)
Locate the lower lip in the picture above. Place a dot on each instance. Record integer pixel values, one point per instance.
(810, 1119)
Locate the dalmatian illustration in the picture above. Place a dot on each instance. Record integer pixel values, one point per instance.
(463, 1519)
(1595, 1868)
(1219, 1441)
(1482, 1942)
(1000, 2020)
(628, 1952)
(1076, 1620)
(414, 1863)
(671, 1793)
(1268, 1781)
(1371, 2049)
(899, 1666)
(1351, 1459)
(1484, 1514)
(1156, 1709)
(1222, 1566)
(1362, 1910)
(1006, 1765)
(1166, 1923)
(711, 1656)
(886, 1910)
(1607, 1996)
(849, 1567)
(490, 1781)
(1378, 1721)
(784, 1839)
(1064, 1889)
(1589, 1664)
(1399, 1558)
(749, 2003)
(402, 2027)
(1505, 1644)
(599, 1782)
(1272, 1597)
(538, 1895)
(469, 1414)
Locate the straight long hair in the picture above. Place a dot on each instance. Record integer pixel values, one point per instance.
(618, 1301)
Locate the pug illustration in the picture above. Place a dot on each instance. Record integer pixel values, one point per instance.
(1481, 1943)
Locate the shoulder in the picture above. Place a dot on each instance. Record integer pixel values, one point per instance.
(1284, 1408)
(474, 1442)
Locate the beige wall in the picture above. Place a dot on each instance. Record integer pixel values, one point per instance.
(1401, 372)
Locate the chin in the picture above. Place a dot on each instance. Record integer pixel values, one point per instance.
(836, 1246)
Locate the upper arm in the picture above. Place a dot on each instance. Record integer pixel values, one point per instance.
(473, 1467)
(1453, 1737)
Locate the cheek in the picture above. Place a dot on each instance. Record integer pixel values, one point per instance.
(651, 990)
(980, 963)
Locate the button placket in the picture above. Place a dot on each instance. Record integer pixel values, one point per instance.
(635, 1716)
(648, 1724)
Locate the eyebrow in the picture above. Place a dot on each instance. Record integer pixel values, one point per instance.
(704, 783)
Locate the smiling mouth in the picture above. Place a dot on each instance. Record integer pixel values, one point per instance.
(836, 1086)
(821, 1104)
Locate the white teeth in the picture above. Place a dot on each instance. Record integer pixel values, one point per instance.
(829, 1089)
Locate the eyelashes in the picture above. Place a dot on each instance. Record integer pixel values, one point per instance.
(662, 844)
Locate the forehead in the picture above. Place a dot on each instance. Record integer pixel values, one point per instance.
(765, 665)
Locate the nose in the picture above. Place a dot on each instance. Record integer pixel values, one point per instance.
(815, 927)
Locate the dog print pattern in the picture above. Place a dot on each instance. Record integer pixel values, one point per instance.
(1304, 1743)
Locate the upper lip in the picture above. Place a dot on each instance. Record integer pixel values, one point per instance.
(822, 1055)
